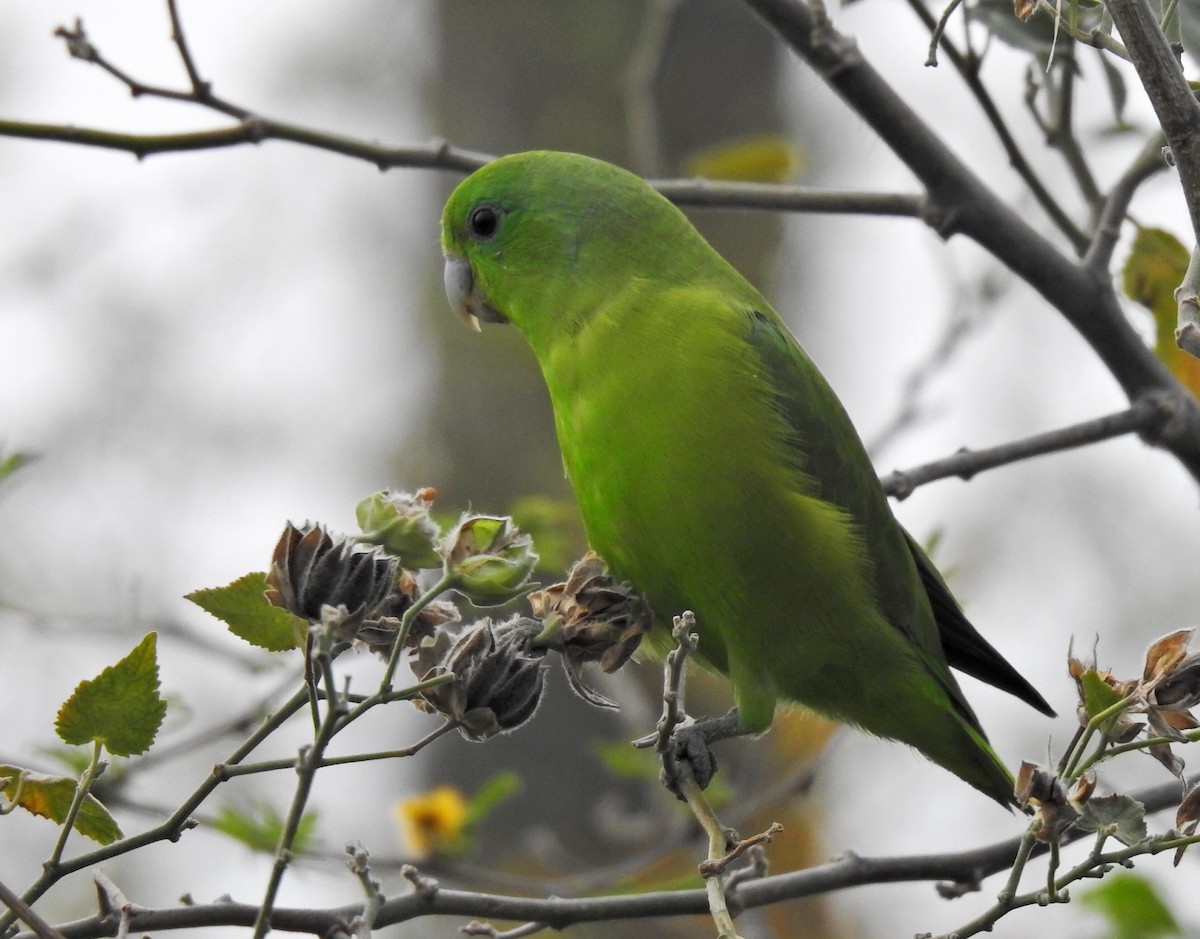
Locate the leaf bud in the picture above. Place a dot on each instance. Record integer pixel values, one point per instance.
(490, 559)
(400, 523)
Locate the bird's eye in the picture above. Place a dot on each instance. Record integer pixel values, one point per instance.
(484, 220)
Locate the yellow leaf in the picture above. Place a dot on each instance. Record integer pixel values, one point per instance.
(765, 159)
(1155, 267)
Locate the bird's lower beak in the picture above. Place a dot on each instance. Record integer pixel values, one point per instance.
(464, 298)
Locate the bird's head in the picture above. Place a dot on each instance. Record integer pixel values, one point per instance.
(541, 239)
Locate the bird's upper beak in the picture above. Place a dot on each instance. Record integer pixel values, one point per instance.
(464, 298)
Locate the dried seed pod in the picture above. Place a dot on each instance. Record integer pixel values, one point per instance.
(498, 677)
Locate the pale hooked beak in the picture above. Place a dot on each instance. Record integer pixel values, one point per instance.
(460, 291)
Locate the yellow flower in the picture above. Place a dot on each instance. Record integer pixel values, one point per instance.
(434, 822)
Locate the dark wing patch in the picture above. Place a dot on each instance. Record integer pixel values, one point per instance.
(830, 454)
(967, 650)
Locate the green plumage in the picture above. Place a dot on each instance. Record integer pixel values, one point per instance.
(714, 467)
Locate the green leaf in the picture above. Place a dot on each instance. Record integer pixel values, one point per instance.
(626, 762)
(260, 826)
(106, 786)
(494, 791)
(121, 707)
(243, 607)
(1133, 908)
(555, 528)
(50, 797)
(1098, 695)
(1120, 816)
(11, 462)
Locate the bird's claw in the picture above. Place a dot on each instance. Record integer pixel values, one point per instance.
(689, 750)
(688, 754)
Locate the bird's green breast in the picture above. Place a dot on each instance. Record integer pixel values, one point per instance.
(688, 487)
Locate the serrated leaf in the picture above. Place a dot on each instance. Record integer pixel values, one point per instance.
(260, 826)
(1155, 267)
(1133, 908)
(1122, 817)
(120, 708)
(50, 797)
(243, 607)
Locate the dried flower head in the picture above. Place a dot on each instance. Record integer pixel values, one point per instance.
(379, 632)
(498, 677)
(1167, 691)
(591, 618)
(1039, 792)
(311, 569)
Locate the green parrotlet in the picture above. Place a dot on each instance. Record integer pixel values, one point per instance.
(714, 467)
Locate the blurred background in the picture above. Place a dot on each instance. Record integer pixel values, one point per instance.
(198, 347)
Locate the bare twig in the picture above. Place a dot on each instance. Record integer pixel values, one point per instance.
(27, 915)
(1108, 226)
(719, 847)
(967, 66)
(1146, 415)
(641, 73)
(360, 867)
(559, 912)
(174, 826)
(1063, 137)
(908, 411)
(960, 203)
(307, 765)
(673, 687)
(1173, 100)
(704, 193)
(1187, 296)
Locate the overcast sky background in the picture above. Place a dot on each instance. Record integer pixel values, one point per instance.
(201, 346)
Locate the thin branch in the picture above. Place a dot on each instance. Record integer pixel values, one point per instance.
(27, 914)
(960, 203)
(907, 412)
(713, 194)
(435, 155)
(174, 826)
(1097, 38)
(269, 766)
(967, 867)
(967, 67)
(1144, 417)
(1173, 100)
(1108, 227)
(199, 86)
(1063, 137)
(641, 73)
(1187, 297)
(307, 765)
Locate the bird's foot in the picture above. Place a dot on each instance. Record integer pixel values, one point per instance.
(689, 750)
